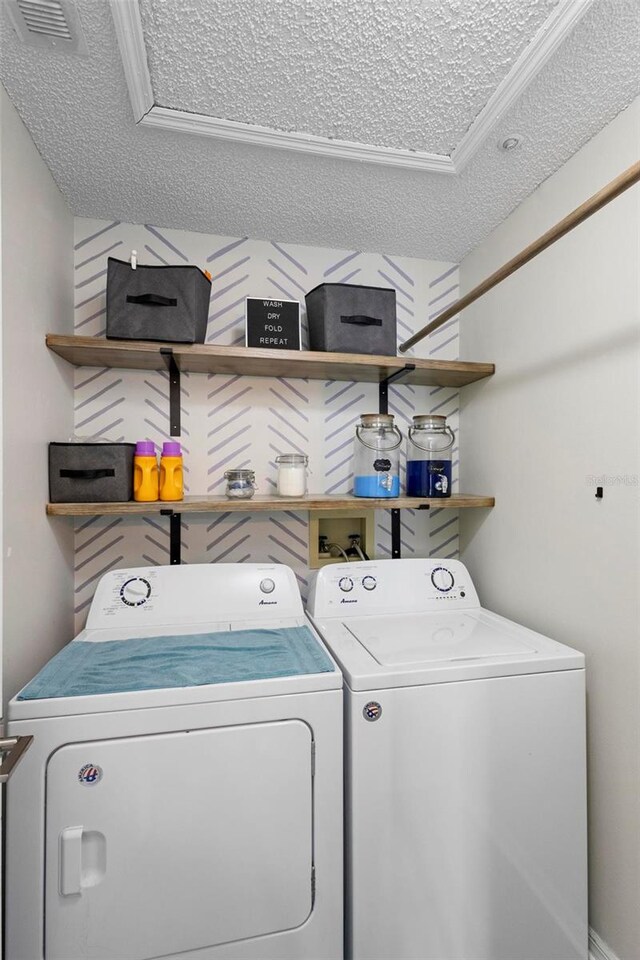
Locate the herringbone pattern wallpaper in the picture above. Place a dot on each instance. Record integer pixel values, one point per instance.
(234, 421)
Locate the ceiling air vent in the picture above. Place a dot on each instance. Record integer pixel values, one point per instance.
(53, 24)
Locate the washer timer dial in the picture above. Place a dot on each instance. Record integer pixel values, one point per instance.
(369, 582)
(345, 584)
(135, 592)
(442, 579)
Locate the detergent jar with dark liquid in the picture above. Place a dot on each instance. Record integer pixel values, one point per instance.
(429, 448)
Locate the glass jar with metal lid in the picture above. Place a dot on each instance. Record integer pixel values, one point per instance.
(376, 463)
(292, 474)
(429, 448)
(241, 484)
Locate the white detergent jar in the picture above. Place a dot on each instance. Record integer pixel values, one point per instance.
(292, 474)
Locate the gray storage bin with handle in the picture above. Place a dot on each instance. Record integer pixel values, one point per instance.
(90, 472)
(156, 303)
(346, 318)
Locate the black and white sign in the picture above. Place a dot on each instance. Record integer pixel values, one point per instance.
(273, 324)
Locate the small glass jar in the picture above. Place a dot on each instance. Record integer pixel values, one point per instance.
(241, 484)
(292, 474)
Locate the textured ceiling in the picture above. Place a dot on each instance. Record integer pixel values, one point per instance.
(394, 73)
(79, 114)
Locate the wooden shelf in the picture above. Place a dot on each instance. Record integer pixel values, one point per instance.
(313, 365)
(244, 361)
(261, 504)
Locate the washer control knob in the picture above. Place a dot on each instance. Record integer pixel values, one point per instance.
(267, 585)
(369, 583)
(135, 592)
(442, 579)
(345, 584)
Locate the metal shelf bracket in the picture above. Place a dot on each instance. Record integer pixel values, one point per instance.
(174, 390)
(383, 386)
(175, 546)
(383, 401)
(395, 535)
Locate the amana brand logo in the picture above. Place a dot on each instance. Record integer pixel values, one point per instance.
(344, 600)
(89, 774)
(268, 603)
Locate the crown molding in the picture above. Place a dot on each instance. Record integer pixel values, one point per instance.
(526, 68)
(128, 25)
(180, 121)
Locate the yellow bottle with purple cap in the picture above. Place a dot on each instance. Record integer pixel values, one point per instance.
(171, 476)
(145, 472)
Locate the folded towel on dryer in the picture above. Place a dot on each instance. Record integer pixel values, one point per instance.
(83, 669)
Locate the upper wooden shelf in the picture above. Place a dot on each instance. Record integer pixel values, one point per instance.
(313, 365)
(263, 503)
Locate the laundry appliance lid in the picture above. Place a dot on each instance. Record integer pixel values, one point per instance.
(438, 638)
(403, 650)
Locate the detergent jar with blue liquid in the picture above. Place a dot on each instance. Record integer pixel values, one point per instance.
(429, 448)
(377, 456)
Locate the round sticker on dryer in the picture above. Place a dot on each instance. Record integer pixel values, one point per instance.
(90, 774)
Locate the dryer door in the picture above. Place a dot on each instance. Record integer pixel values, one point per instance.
(163, 844)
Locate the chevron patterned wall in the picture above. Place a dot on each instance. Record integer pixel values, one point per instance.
(234, 421)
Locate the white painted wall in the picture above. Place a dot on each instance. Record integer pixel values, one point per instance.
(561, 411)
(37, 401)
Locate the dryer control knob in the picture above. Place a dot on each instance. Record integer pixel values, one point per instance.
(442, 579)
(267, 585)
(135, 592)
(345, 584)
(369, 583)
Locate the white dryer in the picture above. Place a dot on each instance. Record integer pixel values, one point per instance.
(183, 794)
(465, 770)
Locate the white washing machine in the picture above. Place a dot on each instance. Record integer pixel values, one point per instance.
(464, 767)
(183, 794)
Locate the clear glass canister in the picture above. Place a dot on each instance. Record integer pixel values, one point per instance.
(292, 474)
(429, 448)
(241, 484)
(376, 464)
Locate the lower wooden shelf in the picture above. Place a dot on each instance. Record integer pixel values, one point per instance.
(263, 504)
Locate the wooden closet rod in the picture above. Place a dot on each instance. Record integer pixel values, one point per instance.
(573, 219)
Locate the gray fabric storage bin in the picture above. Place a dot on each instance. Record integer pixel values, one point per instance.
(90, 472)
(156, 303)
(345, 318)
